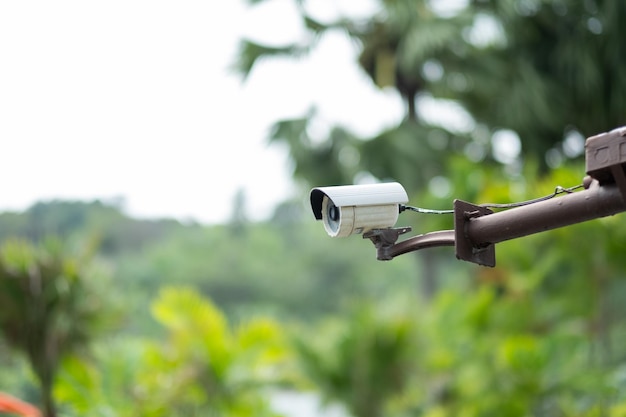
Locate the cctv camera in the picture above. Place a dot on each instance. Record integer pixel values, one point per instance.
(352, 209)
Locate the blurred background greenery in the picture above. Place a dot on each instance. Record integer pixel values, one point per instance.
(106, 315)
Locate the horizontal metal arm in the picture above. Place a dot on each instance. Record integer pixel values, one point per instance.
(593, 203)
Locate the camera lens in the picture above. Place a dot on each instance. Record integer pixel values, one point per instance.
(333, 213)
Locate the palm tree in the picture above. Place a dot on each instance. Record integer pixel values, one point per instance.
(47, 309)
(551, 66)
(394, 44)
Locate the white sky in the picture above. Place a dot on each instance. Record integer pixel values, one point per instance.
(134, 98)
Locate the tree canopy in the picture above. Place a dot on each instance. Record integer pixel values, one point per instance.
(545, 70)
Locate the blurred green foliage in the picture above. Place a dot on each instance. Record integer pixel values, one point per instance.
(540, 334)
(50, 306)
(204, 366)
(218, 318)
(364, 361)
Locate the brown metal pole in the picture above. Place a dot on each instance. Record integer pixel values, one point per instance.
(595, 202)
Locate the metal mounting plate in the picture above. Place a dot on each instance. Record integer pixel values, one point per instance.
(465, 249)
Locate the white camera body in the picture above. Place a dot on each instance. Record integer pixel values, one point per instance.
(352, 209)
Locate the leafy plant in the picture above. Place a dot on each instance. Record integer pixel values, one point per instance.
(202, 366)
(50, 308)
(363, 362)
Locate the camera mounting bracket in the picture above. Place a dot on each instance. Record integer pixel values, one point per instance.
(384, 240)
(466, 249)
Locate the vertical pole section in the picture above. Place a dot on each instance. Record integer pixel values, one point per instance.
(595, 202)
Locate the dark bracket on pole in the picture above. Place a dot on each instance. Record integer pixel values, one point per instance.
(466, 250)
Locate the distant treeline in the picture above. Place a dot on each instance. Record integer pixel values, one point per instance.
(283, 266)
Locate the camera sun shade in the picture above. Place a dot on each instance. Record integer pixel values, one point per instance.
(350, 209)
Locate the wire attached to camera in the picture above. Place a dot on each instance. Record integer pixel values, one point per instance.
(424, 210)
(558, 190)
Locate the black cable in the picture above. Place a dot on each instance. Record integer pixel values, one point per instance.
(425, 211)
(558, 190)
